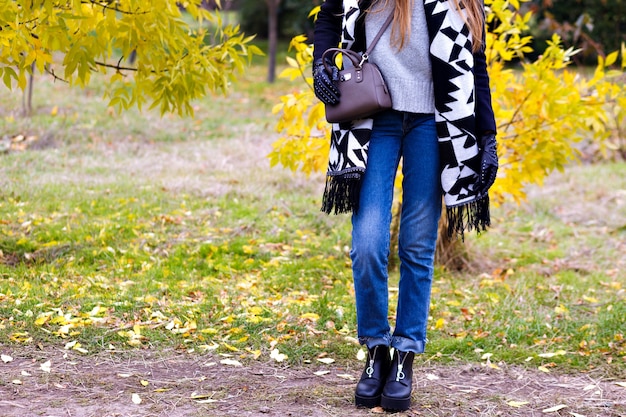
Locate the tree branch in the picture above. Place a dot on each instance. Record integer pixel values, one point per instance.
(116, 67)
(56, 77)
(106, 4)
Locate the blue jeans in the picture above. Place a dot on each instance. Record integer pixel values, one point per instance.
(413, 138)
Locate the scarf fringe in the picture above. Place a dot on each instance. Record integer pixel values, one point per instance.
(341, 194)
(474, 215)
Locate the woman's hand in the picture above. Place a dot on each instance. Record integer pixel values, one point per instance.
(488, 162)
(324, 83)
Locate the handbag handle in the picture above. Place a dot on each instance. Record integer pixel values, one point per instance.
(356, 58)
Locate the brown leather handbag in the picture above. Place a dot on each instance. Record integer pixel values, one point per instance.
(362, 87)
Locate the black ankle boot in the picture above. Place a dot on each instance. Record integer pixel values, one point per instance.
(397, 392)
(370, 386)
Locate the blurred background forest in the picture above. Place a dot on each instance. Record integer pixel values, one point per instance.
(597, 27)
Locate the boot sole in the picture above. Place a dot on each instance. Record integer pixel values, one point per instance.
(368, 402)
(396, 404)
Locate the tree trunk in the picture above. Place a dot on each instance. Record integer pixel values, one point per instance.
(451, 253)
(27, 95)
(394, 260)
(272, 6)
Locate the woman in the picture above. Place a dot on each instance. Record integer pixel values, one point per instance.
(442, 126)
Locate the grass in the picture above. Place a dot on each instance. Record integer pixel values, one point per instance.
(140, 232)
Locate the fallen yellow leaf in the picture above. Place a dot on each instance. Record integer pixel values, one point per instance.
(230, 347)
(41, 320)
(255, 353)
(70, 345)
(277, 356)
(310, 316)
(516, 404)
(213, 346)
(321, 373)
(554, 409)
(560, 309)
(136, 398)
(591, 300)
(552, 354)
(230, 362)
(196, 396)
(46, 366)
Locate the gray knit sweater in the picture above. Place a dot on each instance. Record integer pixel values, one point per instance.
(407, 71)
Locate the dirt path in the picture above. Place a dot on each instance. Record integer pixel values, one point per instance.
(175, 385)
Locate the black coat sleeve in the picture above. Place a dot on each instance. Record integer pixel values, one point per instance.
(485, 119)
(327, 31)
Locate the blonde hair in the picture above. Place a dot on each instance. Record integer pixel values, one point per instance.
(474, 19)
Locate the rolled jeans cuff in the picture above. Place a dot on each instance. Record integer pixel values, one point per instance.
(372, 342)
(407, 345)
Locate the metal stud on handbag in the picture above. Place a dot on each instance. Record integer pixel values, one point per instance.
(362, 87)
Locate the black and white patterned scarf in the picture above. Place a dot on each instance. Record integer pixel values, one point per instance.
(452, 62)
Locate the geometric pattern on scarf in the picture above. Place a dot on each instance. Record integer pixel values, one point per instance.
(452, 61)
(350, 142)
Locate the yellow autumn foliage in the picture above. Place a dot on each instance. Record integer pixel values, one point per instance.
(156, 55)
(543, 108)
